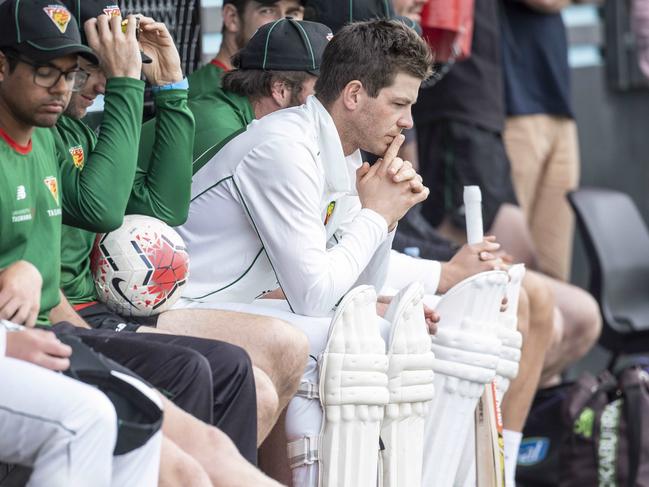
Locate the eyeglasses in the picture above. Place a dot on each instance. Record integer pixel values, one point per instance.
(47, 75)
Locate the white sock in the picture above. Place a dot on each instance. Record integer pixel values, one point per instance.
(512, 441)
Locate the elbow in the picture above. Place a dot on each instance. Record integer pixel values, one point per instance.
(313, 303)
(101, 223)
(108, 223)
(311, 309)
(178, 218)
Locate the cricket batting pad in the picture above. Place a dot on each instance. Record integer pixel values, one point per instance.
(353, 393)
(506, 371)
(466, 352)
(411, 386)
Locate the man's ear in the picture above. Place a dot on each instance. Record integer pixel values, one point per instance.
(231, 19)
(352, 95)
(4, 66)
(280, 93)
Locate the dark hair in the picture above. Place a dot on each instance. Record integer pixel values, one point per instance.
(12, 57)
(372, 52)
(257, 83)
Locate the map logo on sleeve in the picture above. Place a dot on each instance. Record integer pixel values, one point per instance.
(78, 157)
(112, 11)
(59, 15)
(53, 185)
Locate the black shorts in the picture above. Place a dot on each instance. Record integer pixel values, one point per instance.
(101, 318)
(454, 154)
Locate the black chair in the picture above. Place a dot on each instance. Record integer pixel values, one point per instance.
(12, 476)
(617, 244)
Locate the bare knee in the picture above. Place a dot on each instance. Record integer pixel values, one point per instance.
(179, 468)
(289, 349)
(585, 322)
(541, 306)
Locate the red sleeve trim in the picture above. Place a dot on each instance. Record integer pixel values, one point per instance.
(219, 64)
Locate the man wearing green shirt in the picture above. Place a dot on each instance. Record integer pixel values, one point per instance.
(161, 189)
(241, 19)
(39, 43)
(277, 69)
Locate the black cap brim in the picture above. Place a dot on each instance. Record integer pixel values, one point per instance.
(44, 55)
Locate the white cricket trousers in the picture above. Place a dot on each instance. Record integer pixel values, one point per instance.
(66, 431)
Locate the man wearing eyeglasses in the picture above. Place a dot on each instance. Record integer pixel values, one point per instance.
(92, 196)
(161, 189)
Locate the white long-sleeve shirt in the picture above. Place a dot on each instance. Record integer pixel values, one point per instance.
(278, 205)
(404, 269)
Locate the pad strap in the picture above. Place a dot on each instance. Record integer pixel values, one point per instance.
(303, 451)
(308, 390)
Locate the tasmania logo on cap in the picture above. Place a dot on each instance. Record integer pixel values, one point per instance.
(59, 15)
(53, 185)
(77, 156)
(112, 11)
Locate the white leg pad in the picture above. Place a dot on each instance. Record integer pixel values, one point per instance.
(353, 393)
(466, 352)
(411, 385)
(507, 369)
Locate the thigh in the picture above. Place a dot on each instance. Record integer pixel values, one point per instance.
(100, 317)
(180, 373)
(527, 146)
(252, 332)
(563, 165)
(37, 405)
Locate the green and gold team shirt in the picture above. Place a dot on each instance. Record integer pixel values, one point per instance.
(158, 186)
(218, 115)
(30, 210)
(206, 79)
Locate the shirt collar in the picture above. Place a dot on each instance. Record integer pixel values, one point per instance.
(340, 171)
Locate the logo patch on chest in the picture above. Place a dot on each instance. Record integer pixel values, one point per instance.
(21, 193)
(59, 15)
(78, 157)
(53, 185)
(330, 211)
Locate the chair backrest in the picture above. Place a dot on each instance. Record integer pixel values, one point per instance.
(617, 244)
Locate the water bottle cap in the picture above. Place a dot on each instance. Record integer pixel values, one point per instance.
(472, 194)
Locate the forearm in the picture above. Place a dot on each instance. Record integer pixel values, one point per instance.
(376, 272)
(315, 280)
(404, 269)
(98, 200)
(65, 312)
(162, 186)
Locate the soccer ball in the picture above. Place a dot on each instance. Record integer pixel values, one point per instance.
(140, 268)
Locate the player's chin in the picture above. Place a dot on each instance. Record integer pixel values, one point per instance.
(45, 119)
